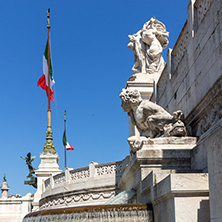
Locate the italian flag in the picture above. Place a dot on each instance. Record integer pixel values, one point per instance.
(66, 144)
(43, 81)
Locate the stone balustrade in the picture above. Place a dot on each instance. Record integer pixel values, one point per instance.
(94, 169)
(91, 185)
(79, 174)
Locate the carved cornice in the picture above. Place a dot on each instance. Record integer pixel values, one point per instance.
(142, 84)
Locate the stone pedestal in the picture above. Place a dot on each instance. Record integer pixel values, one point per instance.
(48, 166)
(160, 173)
(161, 155)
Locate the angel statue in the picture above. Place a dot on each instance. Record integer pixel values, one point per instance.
(33, 180)
(147, 45)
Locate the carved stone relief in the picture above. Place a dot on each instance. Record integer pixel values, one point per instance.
(214, 114)
(208, 112)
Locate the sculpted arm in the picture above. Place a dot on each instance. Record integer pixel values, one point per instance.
(132, 117)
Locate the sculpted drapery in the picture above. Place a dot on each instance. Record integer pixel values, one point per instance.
(147, 45)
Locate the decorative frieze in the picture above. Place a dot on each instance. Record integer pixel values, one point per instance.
(75, 198)
(210, 118)
(208, 112)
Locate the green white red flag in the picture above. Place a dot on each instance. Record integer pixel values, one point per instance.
(66, 144)
(43, 81)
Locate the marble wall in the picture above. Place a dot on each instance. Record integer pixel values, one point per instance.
(193, 83)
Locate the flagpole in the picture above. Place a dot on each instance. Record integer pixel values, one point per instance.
(65, 135)
(49, 108)
(49, 146)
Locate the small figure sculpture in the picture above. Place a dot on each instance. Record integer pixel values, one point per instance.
(151, 119)
(33, 180)
(4, 178)
(147, 45)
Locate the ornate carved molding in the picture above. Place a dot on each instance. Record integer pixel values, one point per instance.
(210, 118)
(75, 198)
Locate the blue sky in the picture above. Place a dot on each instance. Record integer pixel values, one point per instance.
(91, 64)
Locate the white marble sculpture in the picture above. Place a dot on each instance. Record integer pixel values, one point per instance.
(151, 119)
(147, 45)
